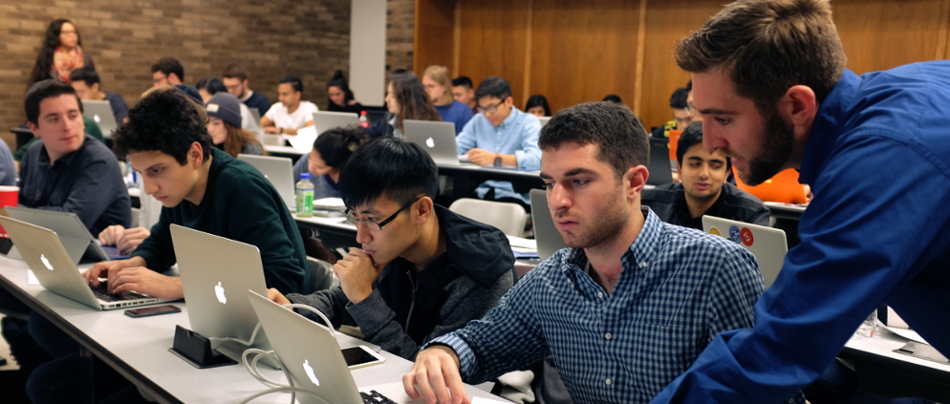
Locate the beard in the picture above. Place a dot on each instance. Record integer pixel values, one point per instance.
(778, 138)
(603, 227)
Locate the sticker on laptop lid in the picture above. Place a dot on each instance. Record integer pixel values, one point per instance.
(734, 234)
(715, 231)
(746, 236)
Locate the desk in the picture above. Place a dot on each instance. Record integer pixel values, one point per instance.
(882, 371)
(334, 232)
(463, 177)
(138, 349)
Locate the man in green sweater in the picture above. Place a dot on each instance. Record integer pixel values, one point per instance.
(202, 188)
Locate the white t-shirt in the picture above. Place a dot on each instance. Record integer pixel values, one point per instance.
(278, 114)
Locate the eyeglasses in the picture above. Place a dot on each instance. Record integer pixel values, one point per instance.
(372, 225)
(490, 109)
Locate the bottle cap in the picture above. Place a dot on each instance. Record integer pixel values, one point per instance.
(305, 176)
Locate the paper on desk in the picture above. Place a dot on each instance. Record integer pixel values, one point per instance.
(303, 142)
(903, 332)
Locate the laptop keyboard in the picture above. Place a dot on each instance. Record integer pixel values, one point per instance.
(374, 397)
(102, 293)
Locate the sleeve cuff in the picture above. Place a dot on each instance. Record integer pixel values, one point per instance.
(462, 350)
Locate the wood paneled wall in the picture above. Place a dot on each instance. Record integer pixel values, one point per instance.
(573, 51)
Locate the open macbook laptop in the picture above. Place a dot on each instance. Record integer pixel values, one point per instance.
(437, 138)
(279, 171)
(71, 231)
(544, 120)
(325, 121)
(101, 112)
(545, 233)
(312, 356)
(56, 271)
(767, 244)
(216, 274)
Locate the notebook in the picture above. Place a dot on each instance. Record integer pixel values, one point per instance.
(311, 354)
(279, 171)
(659, 167)
(71, 231)
(437, 138)
(325, 121)
(545, 233)
(56, 271)
(101, 112)
(216, 274)
(767, 244)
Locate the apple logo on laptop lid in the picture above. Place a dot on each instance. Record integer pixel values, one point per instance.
(46, 262)
(309, 369)
(219, 293)
(430, 142)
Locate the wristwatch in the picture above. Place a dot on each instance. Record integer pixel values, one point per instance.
(497, 160)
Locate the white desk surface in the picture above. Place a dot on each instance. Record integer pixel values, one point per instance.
(142, 344)
(789, 207)
(282, 150)
(884, 343)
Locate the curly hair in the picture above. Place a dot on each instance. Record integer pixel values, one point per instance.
(165, 120)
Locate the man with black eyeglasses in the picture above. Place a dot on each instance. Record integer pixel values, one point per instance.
(423, 271)
(500, 135)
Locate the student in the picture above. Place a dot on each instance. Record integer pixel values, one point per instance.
(67, 170)
(209, 86)
(406, 98)
(500, 135)
(224, 126)
(169, 72)
(702, 189)
(340, 97)
(614, 98)
(681, 114)
(437, 83)
(290, 114)
(202, 188)
(235, 80)
(422, 271)
(537, 105)
(87, 85)
(330, 152)
(770, 80)
(620, 316)
(463, 90)
(60, 53)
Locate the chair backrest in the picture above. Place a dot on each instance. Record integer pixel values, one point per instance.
(507, 217)
(321, 274)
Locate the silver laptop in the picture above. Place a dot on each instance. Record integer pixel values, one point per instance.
(545, 233)
(437, 138)
(101, 112)
(279, 171)
(216, 274)
(71, 231)
(544, 120)
(325, 121)
(256, 114)
(312, 356)
(767, 244)
(55, 270)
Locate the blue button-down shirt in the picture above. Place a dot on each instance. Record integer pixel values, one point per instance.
(878, 230)
(679, 288)
(517, 134)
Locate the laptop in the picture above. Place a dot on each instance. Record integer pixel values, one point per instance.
(437, 138)
(256, 114)
(325, 121)
(216, 274)
(56, 271)
(72, 233)
(544, 120)
(767, 244)
(545, 233)
(660, 169)
(311, 354)
(279, 171)
(101, 112)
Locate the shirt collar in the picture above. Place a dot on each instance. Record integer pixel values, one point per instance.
(831, 115)
(67, 158)
(642, 251)
(510, 120)
(247, 96)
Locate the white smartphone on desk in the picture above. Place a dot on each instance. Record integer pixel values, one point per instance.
(361, 356)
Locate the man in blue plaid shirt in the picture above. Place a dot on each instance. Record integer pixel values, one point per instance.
(623, 311)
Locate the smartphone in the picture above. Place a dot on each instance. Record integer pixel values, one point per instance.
(152, 311)
(361, 356)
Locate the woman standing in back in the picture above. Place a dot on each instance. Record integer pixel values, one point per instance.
(60, 53)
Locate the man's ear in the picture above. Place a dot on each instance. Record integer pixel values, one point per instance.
(196, 155)
(799, 106)
(634, 180)
(425, 209)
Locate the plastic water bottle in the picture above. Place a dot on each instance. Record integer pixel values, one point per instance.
(364, 121)
(304, 196)
(869, 326)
